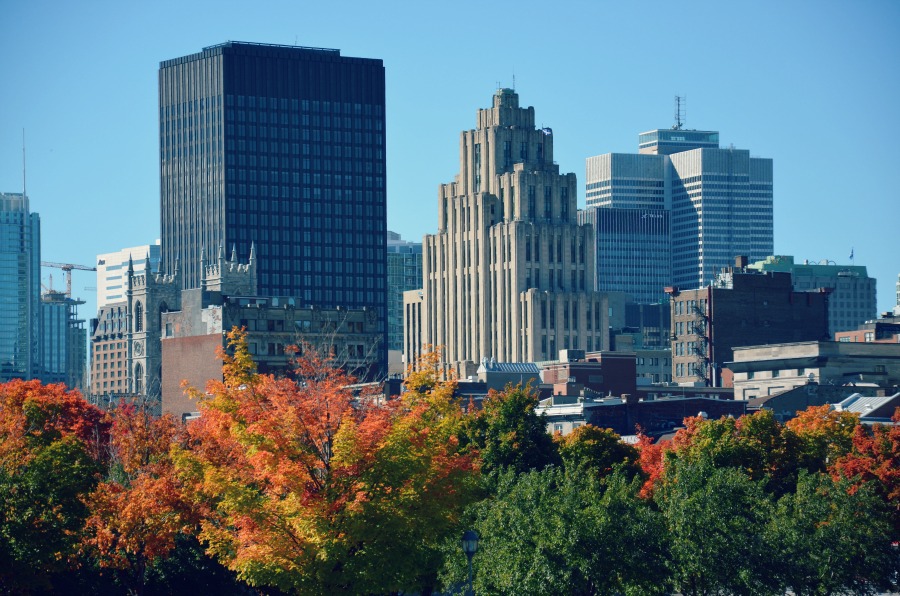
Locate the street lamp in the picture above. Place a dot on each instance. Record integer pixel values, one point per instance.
(470, 547)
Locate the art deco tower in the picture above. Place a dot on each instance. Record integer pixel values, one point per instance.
(507, 274)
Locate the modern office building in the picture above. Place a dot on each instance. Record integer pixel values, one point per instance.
(404, 267)
(112, 270)
(20, 288)
(853, 293)
(632, 250)
(284, 147)
(63, 342)
(682, 209)
(722, 206)
(509, 274)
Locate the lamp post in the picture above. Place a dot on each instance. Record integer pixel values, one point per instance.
(470, 547)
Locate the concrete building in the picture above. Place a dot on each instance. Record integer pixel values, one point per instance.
(63, 356)
(404, 267)
(20, 288)
(680, 210)
(112, 270)
(853, 294)
(286, 150)
(743, 308)
(761, 370)
(509, 274)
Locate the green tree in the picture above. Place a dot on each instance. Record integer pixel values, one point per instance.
(716, 520)
(552, 532)
(509, 434)
(831, 539)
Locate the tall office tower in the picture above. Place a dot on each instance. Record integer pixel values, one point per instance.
(509, 273)
(628, 200)
(284, 147)
(404, 267)
(716, 204)
(721, 208)
(853, 296)
(112, 268)
(20, 288)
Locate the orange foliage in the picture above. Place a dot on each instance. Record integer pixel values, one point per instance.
(138, 513)
(652, 461)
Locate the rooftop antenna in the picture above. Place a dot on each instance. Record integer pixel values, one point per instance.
(679, 114)
(24, 193)
(514, 80)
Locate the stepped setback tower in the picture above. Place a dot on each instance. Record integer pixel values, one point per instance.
(509, 273)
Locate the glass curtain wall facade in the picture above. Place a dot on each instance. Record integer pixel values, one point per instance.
(20, 288)
(280, 147)
(404, 273)
(633, 253)
(715, 204)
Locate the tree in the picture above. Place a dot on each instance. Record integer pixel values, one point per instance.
(556, 532)
(599, 450)
(51, 442)
(875, 458)
(822, 435)
(138, 513)
(716, 519)
(509, 434)
(830, 539)
(309, 488)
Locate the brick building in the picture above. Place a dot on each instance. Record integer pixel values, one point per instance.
(742, 308)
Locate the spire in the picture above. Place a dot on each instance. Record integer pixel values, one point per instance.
(252, 252)
(221, 255)
(130, 264)
(147, 266)
(177, 261)
(234, 253)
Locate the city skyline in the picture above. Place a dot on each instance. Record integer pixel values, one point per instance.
(803, 87)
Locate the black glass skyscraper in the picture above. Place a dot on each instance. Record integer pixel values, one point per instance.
(281, 147)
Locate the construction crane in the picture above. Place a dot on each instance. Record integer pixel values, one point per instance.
(67, 268)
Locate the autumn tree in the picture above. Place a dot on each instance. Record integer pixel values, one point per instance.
(822, 435)
(875, 458)
(51, 442)
(598, 450)
(310, 488)
(138, 513)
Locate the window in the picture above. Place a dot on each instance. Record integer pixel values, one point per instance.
(138, 317)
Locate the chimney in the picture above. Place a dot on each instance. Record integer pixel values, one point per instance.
(741, 262)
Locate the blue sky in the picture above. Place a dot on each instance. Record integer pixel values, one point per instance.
(813, 85)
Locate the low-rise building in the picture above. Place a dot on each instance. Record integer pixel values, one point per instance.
(627, 414)
(769, 369)
(742, 308)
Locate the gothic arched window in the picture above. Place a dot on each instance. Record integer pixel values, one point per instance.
(138, 378)
(138, 317)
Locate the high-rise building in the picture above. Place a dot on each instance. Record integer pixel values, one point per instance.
(63, 342)
(20, 288)
(509, 274)
(721, 208)
(112, 268)
(284, 147)
(404, 267)
(679, 212)
(852, 301)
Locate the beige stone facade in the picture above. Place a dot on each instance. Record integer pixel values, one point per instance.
(509, 273)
